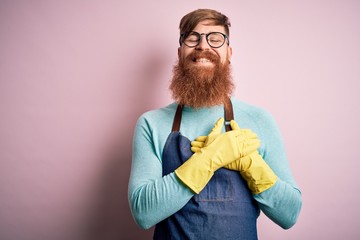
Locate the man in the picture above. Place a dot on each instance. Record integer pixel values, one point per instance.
(215, 186)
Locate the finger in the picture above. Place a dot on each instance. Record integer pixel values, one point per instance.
(201, 138)
(215, 131)
(245, 133)
(217, 127)
(243, 137)
(254, 142)
(251, 147)
(195, 149)
(249, 134)
(234, 125)
(249, 150)
(197, 144)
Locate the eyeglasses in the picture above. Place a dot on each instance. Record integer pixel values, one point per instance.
(214, 39)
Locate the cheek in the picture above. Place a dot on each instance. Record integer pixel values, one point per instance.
(224, 58)
(183, 53)
(223, 54)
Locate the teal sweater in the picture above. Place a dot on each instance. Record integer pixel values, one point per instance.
(153, 197)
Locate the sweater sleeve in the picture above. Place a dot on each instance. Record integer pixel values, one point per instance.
(152, 197)
(282, 202)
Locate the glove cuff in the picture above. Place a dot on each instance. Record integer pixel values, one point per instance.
(196, 172)
(258, 175)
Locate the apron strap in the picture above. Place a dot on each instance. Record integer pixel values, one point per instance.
(177, 119)
(229, 115)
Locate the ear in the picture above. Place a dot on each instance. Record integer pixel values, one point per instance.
(229, 53)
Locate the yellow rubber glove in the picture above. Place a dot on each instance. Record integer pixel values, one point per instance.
(252, 167)
(249, 146)
(256, 172)
(197, 171)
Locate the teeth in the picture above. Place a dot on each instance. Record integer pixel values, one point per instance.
(202, 60)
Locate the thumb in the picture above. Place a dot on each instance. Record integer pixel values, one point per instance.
(234, 125)
(217, 127)
(215, 131)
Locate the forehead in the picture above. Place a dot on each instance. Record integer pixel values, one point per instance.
(208, 26)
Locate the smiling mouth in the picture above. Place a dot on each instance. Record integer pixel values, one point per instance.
(201, 60)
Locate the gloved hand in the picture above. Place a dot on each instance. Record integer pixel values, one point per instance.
(197, 171)
(252, 167)
(248, 146)
(203, 141)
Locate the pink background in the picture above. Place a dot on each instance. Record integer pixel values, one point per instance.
(75, 76)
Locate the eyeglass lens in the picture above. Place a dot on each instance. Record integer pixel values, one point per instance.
(214, 39)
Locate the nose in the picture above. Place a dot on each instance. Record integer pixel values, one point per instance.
(203, 44)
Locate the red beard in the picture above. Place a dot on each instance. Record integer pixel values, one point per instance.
(199, 86)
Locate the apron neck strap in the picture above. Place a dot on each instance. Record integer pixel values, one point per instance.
(177, 118)
(229, 114)
(228, 109)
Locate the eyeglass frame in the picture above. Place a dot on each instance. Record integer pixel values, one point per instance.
(181, 39)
